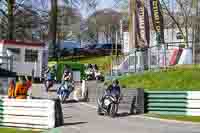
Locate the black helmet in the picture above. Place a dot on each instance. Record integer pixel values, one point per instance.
(90, 65)
(115, 81)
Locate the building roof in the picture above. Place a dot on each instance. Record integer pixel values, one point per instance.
(21, 43)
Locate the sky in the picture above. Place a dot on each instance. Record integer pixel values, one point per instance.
(106, 3)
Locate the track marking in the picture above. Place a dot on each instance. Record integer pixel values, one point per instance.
(89, 105)
(149, 117)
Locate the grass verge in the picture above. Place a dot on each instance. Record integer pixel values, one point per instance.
(178, 118)
(179, 79)
(14, 130)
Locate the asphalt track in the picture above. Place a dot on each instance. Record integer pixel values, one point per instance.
(82, 118)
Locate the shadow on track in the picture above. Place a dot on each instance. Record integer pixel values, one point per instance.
(123, 114)
(74, 123)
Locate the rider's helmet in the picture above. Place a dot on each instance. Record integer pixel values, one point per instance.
(115, 82)
(89, 65)
(95, 67)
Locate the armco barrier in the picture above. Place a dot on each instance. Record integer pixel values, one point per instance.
(30, 113)
(173, 102)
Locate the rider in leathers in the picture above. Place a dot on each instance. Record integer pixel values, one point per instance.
(67, 77)
(114, 88)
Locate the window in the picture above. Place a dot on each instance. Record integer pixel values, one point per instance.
(179, 35)
(153, 60)
(31, 55)
(133, 60)
(15, 52)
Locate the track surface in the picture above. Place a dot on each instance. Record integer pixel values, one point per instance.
(82, 118)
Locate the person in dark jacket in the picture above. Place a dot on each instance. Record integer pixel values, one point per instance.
(114, 88)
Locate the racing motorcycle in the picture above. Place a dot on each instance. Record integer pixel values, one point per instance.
(98, 75)
(90, 74)
(108, 106)
(65, 90)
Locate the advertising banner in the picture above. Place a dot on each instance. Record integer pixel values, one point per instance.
(142, 25)
(157, 19)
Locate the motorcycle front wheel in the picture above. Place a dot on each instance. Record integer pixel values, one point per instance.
(99, 111)
(112, 111)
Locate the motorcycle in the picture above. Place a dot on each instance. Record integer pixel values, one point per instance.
(98, 76)
(64, 91)
(108, 106)
(89, 74)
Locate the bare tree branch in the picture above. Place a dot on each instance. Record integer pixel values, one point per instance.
(173, 18)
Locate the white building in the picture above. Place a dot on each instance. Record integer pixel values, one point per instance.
(27, 57)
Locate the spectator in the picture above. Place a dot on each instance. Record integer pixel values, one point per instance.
(29, 82)
(11, 89)
(21, 88)
(29, 85)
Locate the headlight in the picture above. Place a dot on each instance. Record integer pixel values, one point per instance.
(106, 102)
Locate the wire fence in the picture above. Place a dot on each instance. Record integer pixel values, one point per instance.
(153, 58)
(6, 62)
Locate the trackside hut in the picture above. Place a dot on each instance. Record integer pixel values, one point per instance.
(28, 57)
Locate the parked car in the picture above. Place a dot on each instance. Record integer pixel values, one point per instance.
(106, 49)
(87, 49)
(69, 48)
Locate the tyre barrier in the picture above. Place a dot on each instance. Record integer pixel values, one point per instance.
(30, 113)
(173, 102)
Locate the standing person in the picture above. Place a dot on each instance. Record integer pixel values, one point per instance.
(29, 85)
(49, 79)
(54, 71)
(21, 88)
(11, 89)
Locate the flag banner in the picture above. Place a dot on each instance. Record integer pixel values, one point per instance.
(142, 25)
(157, 19)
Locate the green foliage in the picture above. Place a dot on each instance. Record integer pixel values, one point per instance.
(180, 79)
(74, 66)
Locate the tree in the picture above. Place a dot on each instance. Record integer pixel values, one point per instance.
(26, 21)
(10, 18)
(69, 20)
(181, 18)
(54, 11)
(104, 21)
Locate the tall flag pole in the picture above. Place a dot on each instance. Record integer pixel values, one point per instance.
(132, 40)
